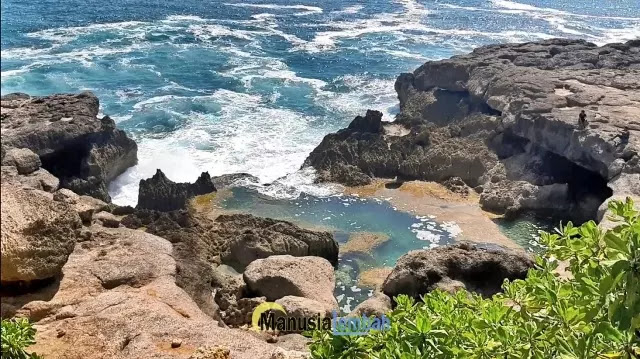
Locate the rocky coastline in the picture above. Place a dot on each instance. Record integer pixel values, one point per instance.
(503, 120)
(163, 280)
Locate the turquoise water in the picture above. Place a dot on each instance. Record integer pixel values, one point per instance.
(346, 215)
(253, 86)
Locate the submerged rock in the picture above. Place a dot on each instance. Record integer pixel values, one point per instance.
(364, 242)
(71, 141)
(504, 121)
(161, 194)
(480, 268)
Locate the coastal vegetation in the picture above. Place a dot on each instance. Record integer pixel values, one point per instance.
(17, 334)
(593, 311)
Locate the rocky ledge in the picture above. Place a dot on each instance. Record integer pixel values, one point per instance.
(83, 151)
(505, 120)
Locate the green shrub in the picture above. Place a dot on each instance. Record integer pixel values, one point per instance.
(17, 334)
(594, 313)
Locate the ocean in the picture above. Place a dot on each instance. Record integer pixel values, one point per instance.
(254, 86)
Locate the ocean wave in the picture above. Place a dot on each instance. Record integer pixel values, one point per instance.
(209, 31)
(306, 8)
(512, 5)
(180, 18)
(348, 10)
(246, 135)
(295, 184)
(364, 92)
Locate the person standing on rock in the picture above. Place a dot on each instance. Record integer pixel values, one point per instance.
(582, 120)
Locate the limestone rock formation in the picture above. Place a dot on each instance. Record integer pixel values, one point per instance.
(85, 206)
(161, 194)
(377, 305)
(251, 238)
(77, 147)
(39, 179)
(25, 160)
(276, 277)
(38, 234)
(118, 299)
(480, 268)
(504, 119)
(201, 244)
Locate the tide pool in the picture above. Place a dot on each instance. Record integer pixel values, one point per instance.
(347, 217)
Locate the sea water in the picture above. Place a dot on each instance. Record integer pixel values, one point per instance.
(345, 216)
(253, 86)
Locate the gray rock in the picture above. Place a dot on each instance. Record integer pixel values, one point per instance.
(480, 268)
(377, 306)
(71, 142)
(106, 219)
(161, 194)
(504, 115)
(252, 238)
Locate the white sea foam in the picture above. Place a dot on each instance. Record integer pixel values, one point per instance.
(348, 10)
(209, 31)
(294, 184)
(245, 136)
(180, 18)
(364, 93)
(306, 8)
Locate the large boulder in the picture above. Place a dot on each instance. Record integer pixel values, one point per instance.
(251, 238)
(161, 194)
(86, 206)
(39, 179)
(71, 141)
(25, 160)
(379, 304)
(38, 234)
(481, 268)
(276, 277)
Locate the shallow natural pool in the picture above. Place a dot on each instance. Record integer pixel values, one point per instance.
(388, 233)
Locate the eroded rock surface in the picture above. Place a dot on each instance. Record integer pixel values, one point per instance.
(276, 277)
(481, 268)
(251, 238)
(161, 194)
(82, 150)
(201, 244)
(38, 234)
(118, 299)
(504, 120)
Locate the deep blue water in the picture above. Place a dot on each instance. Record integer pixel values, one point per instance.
(253, 86)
